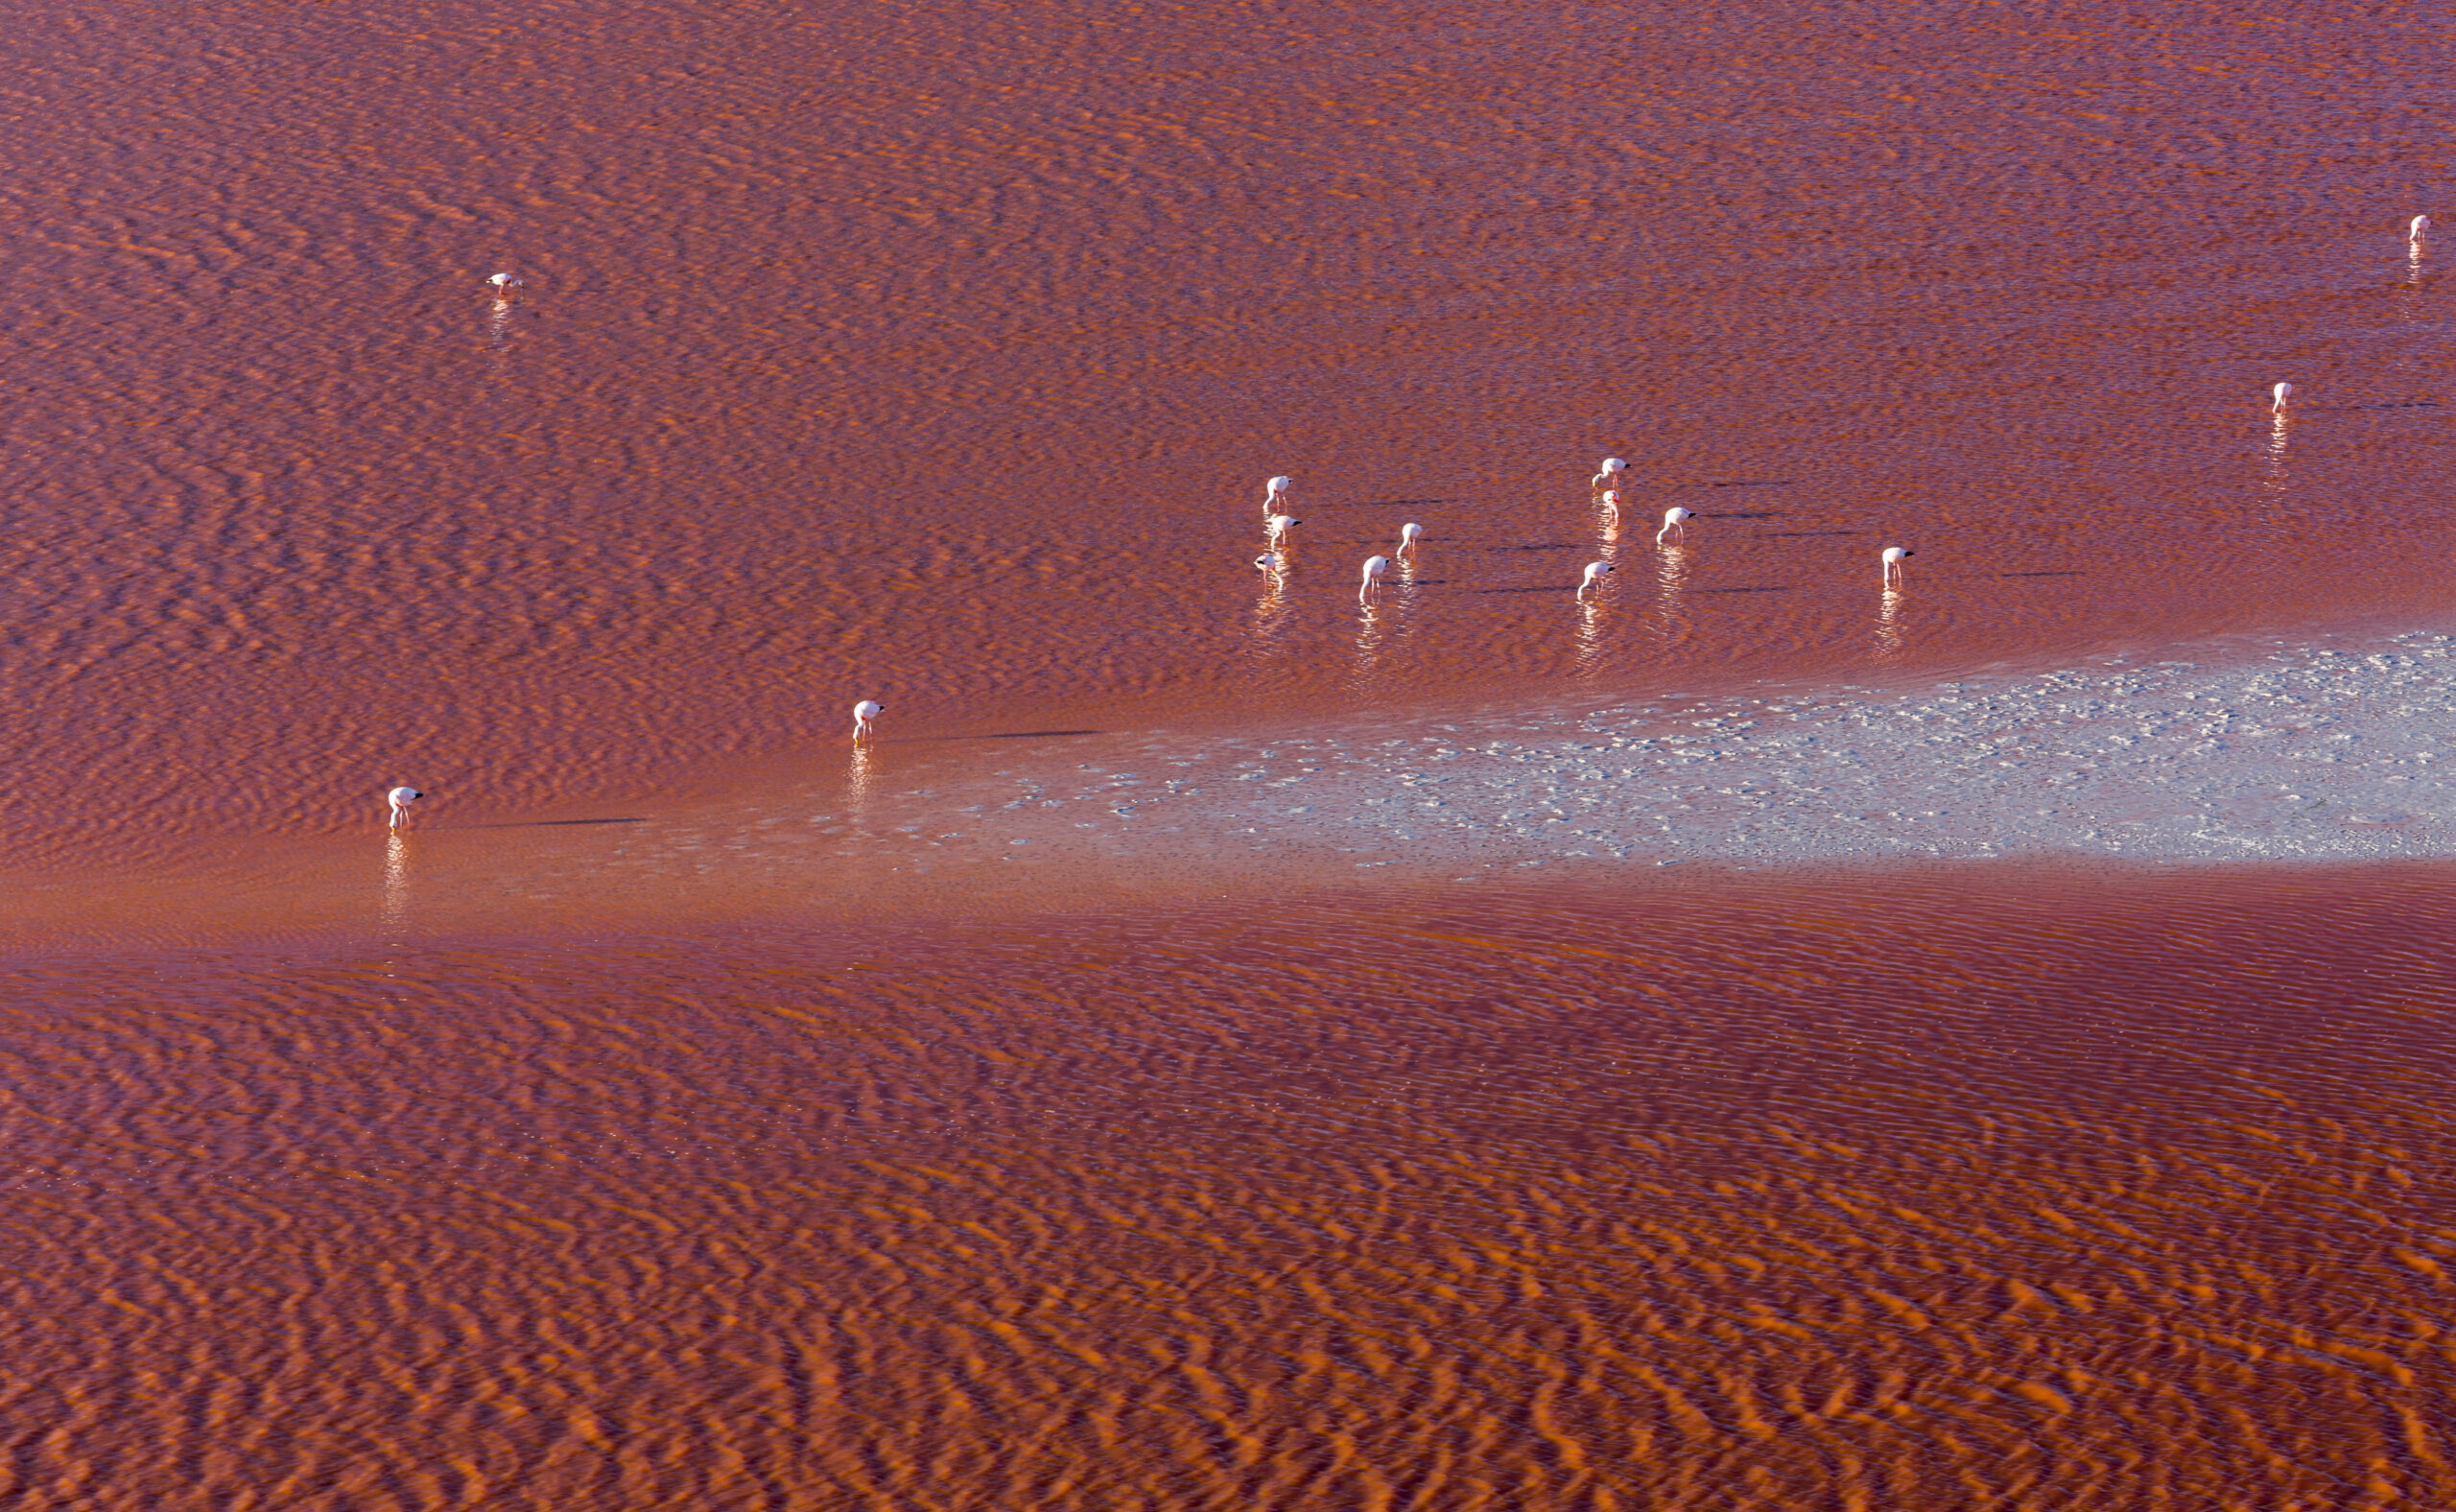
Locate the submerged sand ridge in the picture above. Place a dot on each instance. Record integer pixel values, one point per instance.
(2320, 751)
(2308, 753)
(2331, 750)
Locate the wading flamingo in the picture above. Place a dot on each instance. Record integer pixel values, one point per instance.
(1613, 468)
(865, 714)
(400, 799)
(1894, 555)
(1675, 522)
(1595, 571)
(2279, 394)
(1371, 587)
(1408, 534)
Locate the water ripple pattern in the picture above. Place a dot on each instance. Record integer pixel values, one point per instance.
(938, 354)
(1915, 1191)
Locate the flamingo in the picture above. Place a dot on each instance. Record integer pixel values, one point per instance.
(1595, 571)
(1274, 489)
(2420, 231)
(1278, 526)
(1408, 534)
(504, 283)
(1674, 519)
(1371, 587)
(1894, 556)
(1612, 502)
(400, 799)
(1613, 468)
(2280, 395)
(864, 714)
(1270, 562)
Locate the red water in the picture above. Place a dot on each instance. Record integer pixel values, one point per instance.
(938, 355)
(1915, 1189)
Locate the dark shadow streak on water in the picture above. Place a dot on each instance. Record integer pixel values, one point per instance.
(994, 735)
(551, 824)
(2063, 574)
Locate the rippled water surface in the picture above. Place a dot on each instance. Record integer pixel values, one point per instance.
(1913, 1190)
(1224, 1048)
(936, 354)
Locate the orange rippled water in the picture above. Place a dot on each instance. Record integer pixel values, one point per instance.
(938, 354)
(690, 1118)
(1884, 1191)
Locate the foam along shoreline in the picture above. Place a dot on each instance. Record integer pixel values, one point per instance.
(2312, 751)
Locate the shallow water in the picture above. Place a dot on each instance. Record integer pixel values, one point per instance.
(937, 356)
(2235, 751)
(1223, 1048)
(1906, 1188)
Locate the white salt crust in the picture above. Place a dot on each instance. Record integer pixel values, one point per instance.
(2320, 751)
